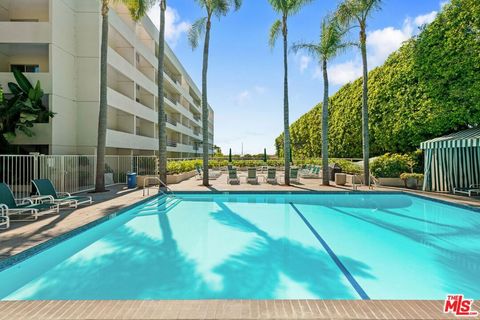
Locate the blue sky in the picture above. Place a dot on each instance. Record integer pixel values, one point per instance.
(246, 76)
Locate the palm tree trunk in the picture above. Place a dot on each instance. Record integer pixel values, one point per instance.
(286, 125)
(365, 135)
(162, 139)
(205, 102)
(325, 175)
(102, 113)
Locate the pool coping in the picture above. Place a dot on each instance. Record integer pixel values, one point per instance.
(224, 309)
(32, 251)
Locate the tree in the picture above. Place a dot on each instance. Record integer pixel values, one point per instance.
(203, 25)
(137, 8)
(21, 110)
(285, 8)
(328, 47)
(162, 137)
(355, 13)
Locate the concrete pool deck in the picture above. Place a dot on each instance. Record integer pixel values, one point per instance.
(24, 235)
(224, 309)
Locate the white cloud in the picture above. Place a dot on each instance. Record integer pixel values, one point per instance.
(260, 89)
(304, 62)
(174, 26)
(425, 19)
(380, 44)
(341, 73)
(242, 97)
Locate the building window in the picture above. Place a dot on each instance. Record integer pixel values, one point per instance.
(25, 67)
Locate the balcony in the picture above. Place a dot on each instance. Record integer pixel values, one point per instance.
(116, 139)
(24, 32)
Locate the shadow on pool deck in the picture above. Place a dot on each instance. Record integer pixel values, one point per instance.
(23, 235)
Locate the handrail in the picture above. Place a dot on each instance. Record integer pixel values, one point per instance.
(160, 183)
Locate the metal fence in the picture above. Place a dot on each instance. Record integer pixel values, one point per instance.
(69, 173)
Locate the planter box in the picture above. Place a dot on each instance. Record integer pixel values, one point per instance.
(414, 184)
(358, 179)
(176, 178)
(391, 182)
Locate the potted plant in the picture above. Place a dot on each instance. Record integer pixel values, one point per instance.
(412, 180)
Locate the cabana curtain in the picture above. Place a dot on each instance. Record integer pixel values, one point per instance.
(452, 161)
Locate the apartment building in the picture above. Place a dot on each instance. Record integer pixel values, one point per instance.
(57, 42)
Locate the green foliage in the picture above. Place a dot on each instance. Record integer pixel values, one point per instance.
(428, 88)
(21, 110)
(180, 166)
(415, 176)
(391, 165)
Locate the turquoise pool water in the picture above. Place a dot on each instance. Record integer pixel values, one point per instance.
(263, 246)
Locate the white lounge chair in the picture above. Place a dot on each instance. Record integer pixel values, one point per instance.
(45, 189)
(233, 177)
(272, 175)
(472, 189)
(25, 208)
(252, 176)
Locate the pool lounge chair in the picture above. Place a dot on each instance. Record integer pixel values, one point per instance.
(212, 175)
(4, 219)
(252, 175)
(314, 173)
(294, 175)
(233, 177)
(23, 207)
(272, 175)
(45, 188)
(472, 189)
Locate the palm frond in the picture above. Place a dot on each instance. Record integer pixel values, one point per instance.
(294, 6)
(278, 6)
(312, 49)
(139, 8)
(275, 31)
(195, 32)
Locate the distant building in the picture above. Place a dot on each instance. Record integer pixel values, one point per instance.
(58, 43)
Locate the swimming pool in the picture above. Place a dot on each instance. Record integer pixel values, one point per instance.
(262, 246)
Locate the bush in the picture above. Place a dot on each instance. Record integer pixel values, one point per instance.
(391, 165)
(428, 88)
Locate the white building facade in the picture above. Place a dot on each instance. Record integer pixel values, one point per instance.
(58, 43)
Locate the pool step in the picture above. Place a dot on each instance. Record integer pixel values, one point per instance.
(164, 205)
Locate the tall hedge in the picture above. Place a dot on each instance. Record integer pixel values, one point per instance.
(429, 87)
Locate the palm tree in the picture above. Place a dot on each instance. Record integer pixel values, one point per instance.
(355, 13)
(162, 138)
(286, 8)
(219, 8)
(137, 8)
(329, 46)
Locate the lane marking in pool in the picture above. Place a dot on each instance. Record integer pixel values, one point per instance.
(332, 255)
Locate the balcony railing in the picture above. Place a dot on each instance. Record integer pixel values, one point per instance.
(171, 120)
(171, 143)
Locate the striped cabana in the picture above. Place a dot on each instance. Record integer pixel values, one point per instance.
(452, 161)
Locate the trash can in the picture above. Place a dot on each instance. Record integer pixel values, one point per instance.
(131, 180)
(332, 169)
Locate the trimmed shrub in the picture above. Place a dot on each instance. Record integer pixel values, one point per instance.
(391, 165)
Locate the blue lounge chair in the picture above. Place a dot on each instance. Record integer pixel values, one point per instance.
(45, 189)
(23, 207)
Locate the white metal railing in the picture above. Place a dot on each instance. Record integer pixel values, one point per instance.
(69, 173)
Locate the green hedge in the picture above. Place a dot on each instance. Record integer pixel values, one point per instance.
(391, 165)
(428, 88)
(175, 167)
